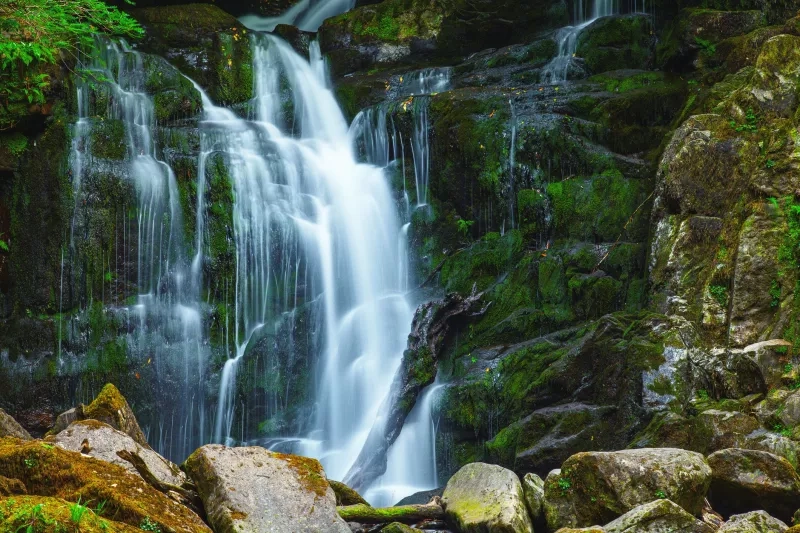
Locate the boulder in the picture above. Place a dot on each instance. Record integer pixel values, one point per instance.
(657, 517)
(533, 489)
(597, 487)
(103, 442)
(345, 495)
(750, 480)
(482, 497)
(64, 420)
(48, 470)
(754, 522)
(11, 428)
(715, 430)
(397, 527)
(253, 489)
(111, 407)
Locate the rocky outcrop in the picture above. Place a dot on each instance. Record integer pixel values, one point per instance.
(253, 489)
(482, 497)
(754, 522)
(111, 407)
(750, 480)
(11, 428)
(597, 487)
(656, 517)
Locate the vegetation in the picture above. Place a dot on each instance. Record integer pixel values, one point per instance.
(36, 35)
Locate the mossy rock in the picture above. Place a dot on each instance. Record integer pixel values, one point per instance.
(55, 515)
(345, 495)
(614, 43)
(47, 470)
(111, 407)
(108, 139)
(11, 487)
(397, 527)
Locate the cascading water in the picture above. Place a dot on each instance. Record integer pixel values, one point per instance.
(557, 71)
(308, 15)
(166, 316)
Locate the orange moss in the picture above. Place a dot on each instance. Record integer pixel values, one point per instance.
(48, 470)
(309, 472)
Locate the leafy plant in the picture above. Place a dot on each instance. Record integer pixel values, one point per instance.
(564, 484)
(775, 293)
(702, 394)
(750, 124)
(783, 430)
(31, 462)
(76, 511)
(149, 525)
(33, 520)
(3, 244)
(706, 47)
(720, 293)
(35, 34)
(101, 507)
(464, 226)
(770, 163)
(661, 495)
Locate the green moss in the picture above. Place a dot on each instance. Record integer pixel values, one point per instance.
(36, 514)
(108, 139)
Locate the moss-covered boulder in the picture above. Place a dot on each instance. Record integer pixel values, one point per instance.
(345, 495)
(253, 489)
(11, 428)
(397, 527)
(753, 522)
(482, 497)
(48, 470)
(111, 407)
(749, 480)
(657, 516)
(55, 515)
(205, 43)
(597, 487)
(613, 43)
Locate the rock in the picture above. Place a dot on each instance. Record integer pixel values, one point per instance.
(771, 358)
(64, 420)
(11, 428)
(597, 487)
(614, 43)
(407, 514)
(397, 527)
(111, 407)
(658, 516)
(103, 442)
(715, 430)
(9, 487)
(421, 498)
(345, 495)
(754, 522)
(750, 480)
(482, 497)
(48, 470)
(533, 489)
(594, 529)
(55, 515)
(253, 489)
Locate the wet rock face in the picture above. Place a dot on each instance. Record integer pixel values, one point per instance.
(749, 480)
(482, 497)
(597, 487)
(614, 43)
(253, 489)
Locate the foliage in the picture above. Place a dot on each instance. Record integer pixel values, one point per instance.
(148, 525)
(38, 33)
(464, 226)
(706, 47)
(720, 293)
(750, 125)
(77, 511)
(3, 244)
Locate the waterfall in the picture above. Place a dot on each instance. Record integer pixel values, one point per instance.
(308, 15)
(557, 71)
(169, 328)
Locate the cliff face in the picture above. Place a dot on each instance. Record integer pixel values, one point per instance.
(632, 232)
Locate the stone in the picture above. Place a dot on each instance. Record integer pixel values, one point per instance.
(482, 497)
(64, 420)
(102, 442)
(771, 358)
(754, 522)
(715, 430)
(397, 527)
(750, 480)
(111, 407)
(597, 487)
(615, 43)
(253, 489)
(11, 428)
(345, 495)
(533, 489)
(48, 470)
(659, 516)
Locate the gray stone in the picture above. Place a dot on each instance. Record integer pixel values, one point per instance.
(659, 516)
(11, 428)
(755, 522)
(63, 421)
(102, 442)
(533, 489)
(482, 497)
(253, 489)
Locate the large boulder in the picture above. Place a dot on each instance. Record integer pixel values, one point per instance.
(103, 442)
(111, 407)
(597, 487)
(482, 497)
(750, 480)
(658, 516)
(48, 470)
(11, 428)
(253, 489)
(754, 522)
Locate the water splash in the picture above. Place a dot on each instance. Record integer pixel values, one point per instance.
(308, 15)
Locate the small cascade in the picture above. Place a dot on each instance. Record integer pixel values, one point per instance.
(557, 71)
(512, 163)
(167, 329)
(411, 465)
(308, 15)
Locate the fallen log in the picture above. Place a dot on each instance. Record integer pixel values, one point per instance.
(406, 514)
